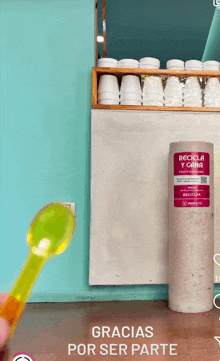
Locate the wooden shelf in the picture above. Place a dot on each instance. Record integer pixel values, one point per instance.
(96, 72)
(143, 107)
(165, 72)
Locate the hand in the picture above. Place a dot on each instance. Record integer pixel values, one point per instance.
(4, 334)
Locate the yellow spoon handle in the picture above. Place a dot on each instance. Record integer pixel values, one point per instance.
(11, 309)
(25, 281)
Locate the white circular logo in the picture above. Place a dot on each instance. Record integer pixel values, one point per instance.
(22, 357)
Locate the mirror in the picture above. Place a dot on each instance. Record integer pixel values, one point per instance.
(161, 29)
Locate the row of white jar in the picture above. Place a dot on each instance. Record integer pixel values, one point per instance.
(155, 103)
(175, 93)
(148, 63)
(153, 63)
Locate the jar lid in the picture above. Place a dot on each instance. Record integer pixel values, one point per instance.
(193, 65)
(211, 65)
(107, 59)
(128, 61)
(175, 64)
(211, 62)
(150, 60)
(148, 66)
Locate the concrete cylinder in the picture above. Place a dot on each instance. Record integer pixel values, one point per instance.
(191, 227)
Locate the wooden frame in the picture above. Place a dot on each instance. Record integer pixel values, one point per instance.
(96, 32)
(104, 28)
(96, 72)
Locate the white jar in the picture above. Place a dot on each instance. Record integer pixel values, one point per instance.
(130, 84)
(192, 89)
(107, 63)
(193, 65)
(211, 65)
(128, 63)
(173, 90)
(212, 88)
(152, 85)
(153, 91)
(149, 63)
(175, 64)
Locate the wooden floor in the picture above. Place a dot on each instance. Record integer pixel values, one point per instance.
(45, 331)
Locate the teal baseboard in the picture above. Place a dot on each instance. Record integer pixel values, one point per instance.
(106, 293)
(110, 293)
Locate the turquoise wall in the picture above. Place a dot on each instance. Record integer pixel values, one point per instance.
(212, 48)
(46, 56)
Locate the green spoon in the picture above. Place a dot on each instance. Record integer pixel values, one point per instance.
(49, 234)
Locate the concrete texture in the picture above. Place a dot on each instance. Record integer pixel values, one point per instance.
(129, 191)
(191, 243)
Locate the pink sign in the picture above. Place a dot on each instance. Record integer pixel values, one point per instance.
(191, 179)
